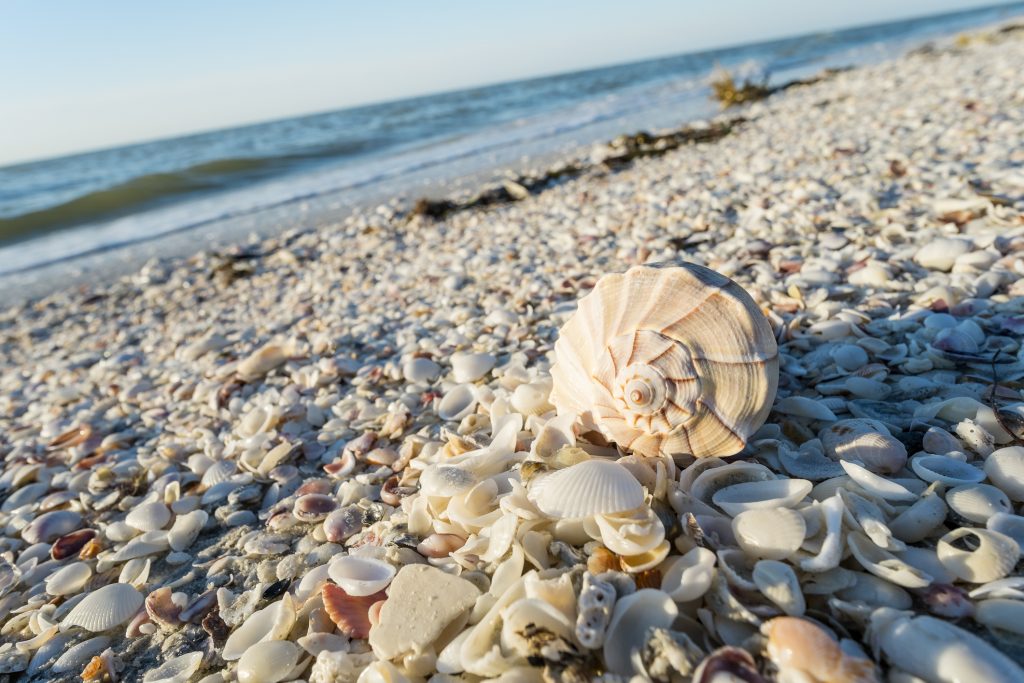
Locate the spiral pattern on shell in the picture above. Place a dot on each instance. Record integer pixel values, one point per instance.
(668, 358)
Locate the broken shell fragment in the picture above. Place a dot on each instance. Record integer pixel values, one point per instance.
(977, 555)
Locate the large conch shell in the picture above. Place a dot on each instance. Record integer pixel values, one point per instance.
(668, 358)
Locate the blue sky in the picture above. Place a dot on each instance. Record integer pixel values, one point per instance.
(78, 75)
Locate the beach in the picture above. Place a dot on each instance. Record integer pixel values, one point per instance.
(876, 219)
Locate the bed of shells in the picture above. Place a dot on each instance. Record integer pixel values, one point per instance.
(348, 464)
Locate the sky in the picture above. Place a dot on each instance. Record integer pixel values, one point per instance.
(77, 76)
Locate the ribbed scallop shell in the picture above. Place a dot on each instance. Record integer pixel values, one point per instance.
(592, 487)
(773, 534)
(668, 358)
(105, 608)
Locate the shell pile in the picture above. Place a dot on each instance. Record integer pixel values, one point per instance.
(374, 458)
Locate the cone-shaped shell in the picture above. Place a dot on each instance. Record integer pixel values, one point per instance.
(105, 608)
(592, 487)
(668, 358)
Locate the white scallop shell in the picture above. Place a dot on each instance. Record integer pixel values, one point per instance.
(777, 581)
(458, 402)
(1005, 469)
(359, 576)
(759, 495)
(592, 487)
(949, 471)
(270, 623)
(148, 517)
(772, 534)
(977, 502)
(104, 608)
(632, 617)
(668, 359)
(68, 579)
(979, 556)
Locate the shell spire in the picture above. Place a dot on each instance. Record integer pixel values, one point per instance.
(669, 358)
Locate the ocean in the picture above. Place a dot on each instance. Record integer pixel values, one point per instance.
(312, 168)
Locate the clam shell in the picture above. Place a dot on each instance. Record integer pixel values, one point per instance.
(186, 529)
(268, 662)
(866, 441)
(884, 564)
(876, 485)
(148, 517)
(689, 577)
(1001, 614)
(49, 526)
(469, 367)
(1005, 469)
(70, 544)
(712, 480)
(977, 502)
(777, 581)
(458, 402)
(773, 534)
(592, 487)
(920, 519)
(360, 576)
(446, 480)
(270, 623)
(946, 470)
(349, 613)
(668, 359)
(760, 495)
(176, 669)
(104, 608)
(977, 555)
(1008, 525)
(69, 579)
(631, 618)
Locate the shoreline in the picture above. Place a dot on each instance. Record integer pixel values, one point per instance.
(219, 435)
(485, 175)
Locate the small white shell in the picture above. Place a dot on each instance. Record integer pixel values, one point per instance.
(876, 592)
(977, 502)
(884, 564)
(270, 623)
(921, 518)
(949, 471)
(940, 442)
(668, 359)
(866, 441)
(760, 495)
(876, 485)
(518, 617)
(458, 402)
(711, 480)
(532, 398)
(977, 555)
(469, 367)
(186, 529)
(135, 571)
(1005, 469)
(801, 406)
(359, 576)
(1008, 525)
(777, 581)
(268, 662)
(105, 608)
(773, 534)
(632, 617)
(69, 579)
(588, 488)
(176, 669)
(1001, 613)
(446, 480)
(689, 577)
